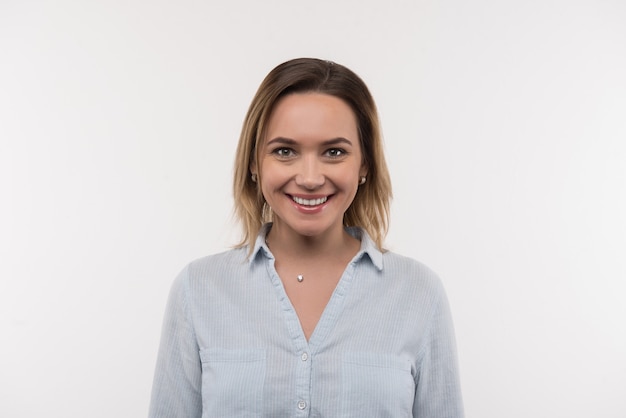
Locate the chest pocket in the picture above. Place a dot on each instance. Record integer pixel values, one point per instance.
(376, 385)
(232, 382)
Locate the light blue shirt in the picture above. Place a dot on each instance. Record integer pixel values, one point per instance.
(232, 344)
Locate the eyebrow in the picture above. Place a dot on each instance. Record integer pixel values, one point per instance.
(289, 141)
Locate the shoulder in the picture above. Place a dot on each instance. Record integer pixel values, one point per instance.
(400, 264)
(411, 274)
(210, 276)
(213, 267)
(226, 260)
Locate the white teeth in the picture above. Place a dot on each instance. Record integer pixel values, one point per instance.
(309, 202)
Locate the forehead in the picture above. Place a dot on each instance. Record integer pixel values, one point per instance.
(312, 115)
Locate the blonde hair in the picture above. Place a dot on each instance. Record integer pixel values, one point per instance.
(370, 207)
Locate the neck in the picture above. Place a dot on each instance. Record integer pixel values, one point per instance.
(288, 243)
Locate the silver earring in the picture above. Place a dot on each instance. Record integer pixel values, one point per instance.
(253, 177)
(362, 180)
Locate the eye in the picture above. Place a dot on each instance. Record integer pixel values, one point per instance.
(336, 152)
(283, 152)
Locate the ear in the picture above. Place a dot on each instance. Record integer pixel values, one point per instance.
(363, 170)
(253, 168)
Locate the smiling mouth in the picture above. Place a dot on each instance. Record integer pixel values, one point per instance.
(309, 202)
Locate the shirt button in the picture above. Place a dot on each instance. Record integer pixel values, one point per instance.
(301, 405)
(304, 357)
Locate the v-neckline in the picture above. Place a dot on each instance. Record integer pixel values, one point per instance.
(330, 313)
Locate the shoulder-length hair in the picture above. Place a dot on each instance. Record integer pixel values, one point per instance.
(370, 207)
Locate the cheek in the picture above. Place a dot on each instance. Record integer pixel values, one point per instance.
(274, 173)
(271, 183)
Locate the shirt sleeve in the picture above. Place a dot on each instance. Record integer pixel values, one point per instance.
(438, 391)
(176, 389)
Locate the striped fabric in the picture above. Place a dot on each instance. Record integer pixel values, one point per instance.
(232, 345)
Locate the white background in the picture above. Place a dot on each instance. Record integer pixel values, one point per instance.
(505, 131)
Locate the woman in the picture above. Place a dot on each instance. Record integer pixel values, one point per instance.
(309, 316)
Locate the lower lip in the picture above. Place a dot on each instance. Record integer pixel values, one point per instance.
(310, 210)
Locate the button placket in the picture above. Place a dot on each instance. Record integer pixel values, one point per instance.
(303, 389)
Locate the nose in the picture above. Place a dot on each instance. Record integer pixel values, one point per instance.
(310, 174)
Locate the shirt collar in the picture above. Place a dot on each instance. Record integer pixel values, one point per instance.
(260, 246)
(368, 247)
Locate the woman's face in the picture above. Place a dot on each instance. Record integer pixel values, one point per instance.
(310, 163)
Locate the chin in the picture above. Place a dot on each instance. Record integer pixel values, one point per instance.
(308, 231)
(312, 230)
